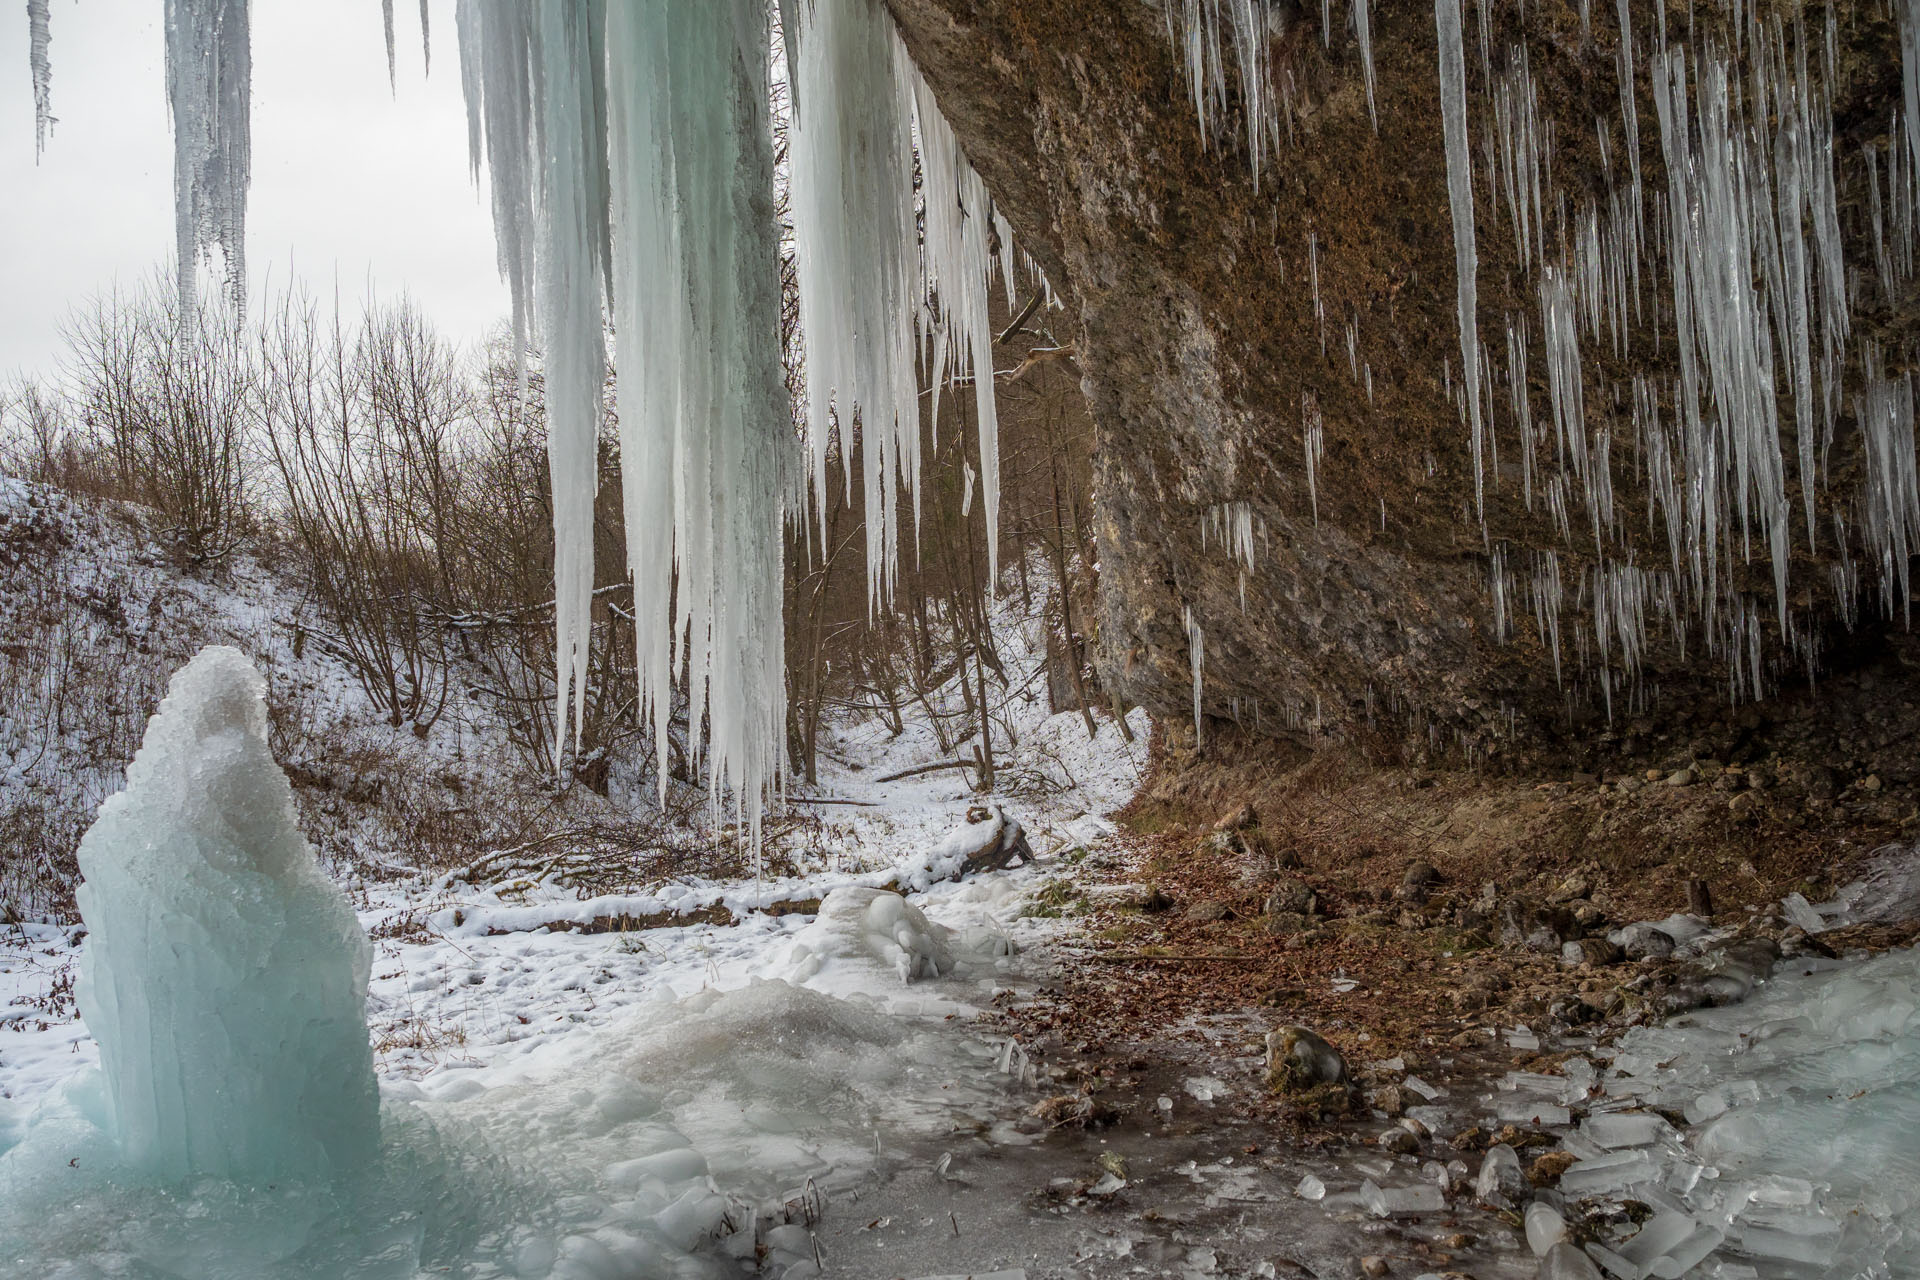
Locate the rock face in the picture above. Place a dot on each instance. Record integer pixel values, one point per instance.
(1219, 326)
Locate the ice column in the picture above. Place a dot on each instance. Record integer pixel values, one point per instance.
(857, 255)
(39, 37)
(224, 975)
(209, 84)
(705, 428)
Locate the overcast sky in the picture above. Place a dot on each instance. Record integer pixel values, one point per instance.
(350, 182)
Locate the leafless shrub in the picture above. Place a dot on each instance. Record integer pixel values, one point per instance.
(169, 408)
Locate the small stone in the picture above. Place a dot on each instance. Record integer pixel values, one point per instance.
(1653, 775)
(1416, 885)
(1591, 953)
(1745, 806)
(1681, 777)
(1204, 912)
(1298, 1058)
(1282, 923)
(1574, 886)
(1870, 783)
(1373, 1266)
(1399, 1142)
(1545, 1171)
(1389, 1099)
(1238, 819)
(1291, 895)
(1642, 941)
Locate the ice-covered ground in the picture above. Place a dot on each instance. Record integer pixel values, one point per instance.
(667, 1100)
(1778, 1137)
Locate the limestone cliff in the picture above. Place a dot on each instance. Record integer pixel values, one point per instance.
(1223, 325)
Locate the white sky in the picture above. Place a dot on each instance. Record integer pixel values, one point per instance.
(351, 183)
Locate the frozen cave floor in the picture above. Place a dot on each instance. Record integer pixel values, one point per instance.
(770, 1098)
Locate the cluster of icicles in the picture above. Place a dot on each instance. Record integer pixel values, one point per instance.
(631, 161)
(1732, 268)
(630, 153)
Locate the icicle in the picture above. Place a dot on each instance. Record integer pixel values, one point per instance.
(958, 272)
(1909, 12)
(426, 39)
(1196, 34)
(1312, 435)
(1453, 112)
(209, 83)
(386, 25)
(1363, 33)
(539, 93)
(704, 423)
(1196, 662)
(495, 46)
(573, 198)
(39, 37)
(856, 250)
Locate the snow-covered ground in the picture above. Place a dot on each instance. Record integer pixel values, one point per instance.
(561, 1102)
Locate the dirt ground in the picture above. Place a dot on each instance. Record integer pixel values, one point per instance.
(1421, 915)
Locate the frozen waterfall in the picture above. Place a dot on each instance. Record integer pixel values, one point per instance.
(224, 976)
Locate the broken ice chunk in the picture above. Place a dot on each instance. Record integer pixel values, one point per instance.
(1422, 1088)
(1545, 1228)
(1383, 1202)
(1564, 1262)
(1657, 1237)
(1800, 912)
(1608, 1173)
(1311, 1188)
(1523, 1108)
(1686, 1255)
(1783, 1237)
(1522, 1039)
(1500, 1174)
(1706, 1106)
(1625, 1129)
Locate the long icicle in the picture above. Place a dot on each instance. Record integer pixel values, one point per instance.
(1453, 118)
(209, 92)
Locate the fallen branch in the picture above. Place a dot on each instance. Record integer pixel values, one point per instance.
(927, 768)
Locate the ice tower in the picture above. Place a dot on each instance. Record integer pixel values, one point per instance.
(224, 976)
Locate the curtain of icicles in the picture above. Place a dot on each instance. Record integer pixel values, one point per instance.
(866, 287)
(1723, 287)
(629, 145)
(629, 150)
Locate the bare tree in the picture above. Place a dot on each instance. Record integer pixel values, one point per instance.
(171, 407)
